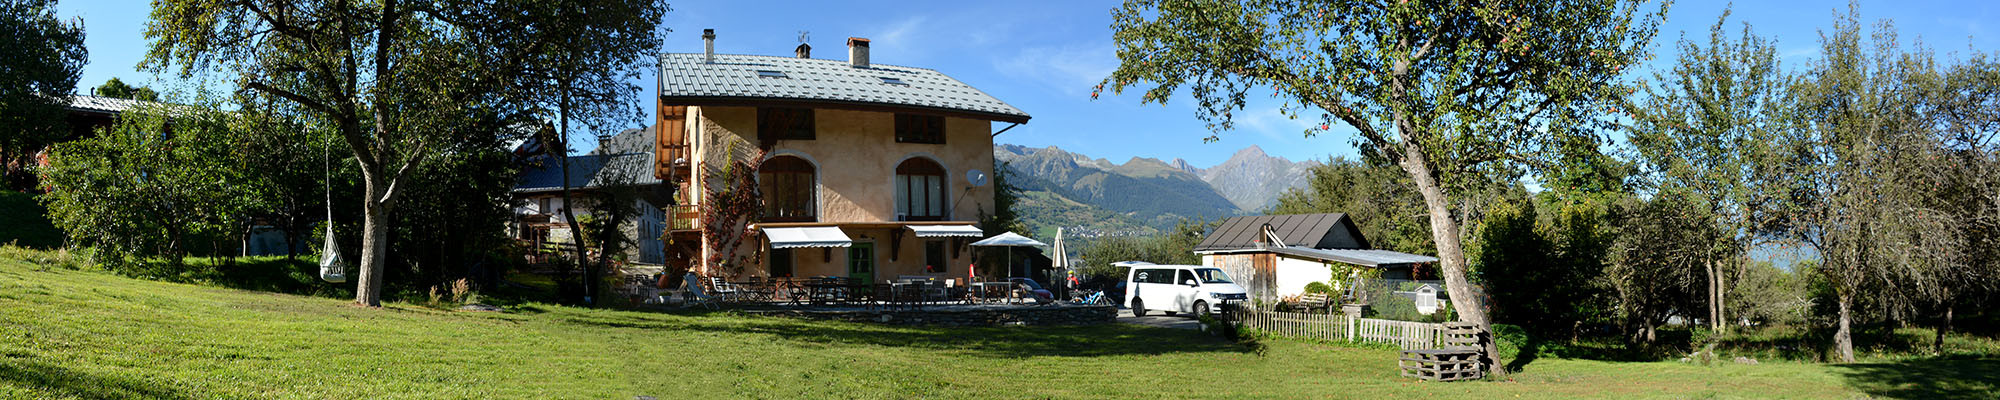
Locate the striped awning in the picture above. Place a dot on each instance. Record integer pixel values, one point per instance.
(803, 237)
(937, 231)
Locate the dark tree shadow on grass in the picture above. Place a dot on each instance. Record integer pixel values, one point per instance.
(1936, 378)
(56, 381)
(1008, 342)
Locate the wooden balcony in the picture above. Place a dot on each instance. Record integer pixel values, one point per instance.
(683, 218)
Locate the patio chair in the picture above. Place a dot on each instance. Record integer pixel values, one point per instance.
(694, 294)
(936, 291)
(727, 291)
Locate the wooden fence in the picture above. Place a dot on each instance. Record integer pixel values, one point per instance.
(1331, 327)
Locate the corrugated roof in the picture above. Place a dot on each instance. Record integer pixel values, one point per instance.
(101, 104)
(1330, 230)
(1371, 258)
(735, 76)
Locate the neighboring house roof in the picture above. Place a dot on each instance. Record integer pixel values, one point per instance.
(100, 104)
(587, 171)
(1371, 258)
(689, 78)
(623, 158)
(1317, 231)
(637, 140)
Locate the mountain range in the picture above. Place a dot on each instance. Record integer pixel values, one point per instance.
(1096, 197)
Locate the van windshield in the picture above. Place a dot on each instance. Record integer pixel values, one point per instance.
(1212, 275)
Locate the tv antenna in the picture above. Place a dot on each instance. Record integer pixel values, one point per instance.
(805, 36)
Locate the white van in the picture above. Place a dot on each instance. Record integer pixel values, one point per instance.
(1174, 289)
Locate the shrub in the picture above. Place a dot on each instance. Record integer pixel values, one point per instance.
(1319, 287)
(1509, 339)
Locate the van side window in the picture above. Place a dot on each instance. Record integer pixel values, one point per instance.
(1154, 275)
(1185, 276)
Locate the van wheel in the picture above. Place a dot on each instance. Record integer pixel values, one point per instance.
(1201, 308)
(1138, 308)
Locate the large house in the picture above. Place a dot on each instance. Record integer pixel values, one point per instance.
(866, 170)
(1275, 256)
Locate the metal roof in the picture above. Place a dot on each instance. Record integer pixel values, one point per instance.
(587, 171)
(1330, 230)
(689, 77)
(101, 104)
(1371, 258)
(623, 158)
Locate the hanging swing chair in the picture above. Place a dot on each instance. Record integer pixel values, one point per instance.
(332, 268)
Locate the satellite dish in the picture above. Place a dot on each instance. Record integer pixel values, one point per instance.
(975, 177)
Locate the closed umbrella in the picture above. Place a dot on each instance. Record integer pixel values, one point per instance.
(1009, 239)
(1061, 262)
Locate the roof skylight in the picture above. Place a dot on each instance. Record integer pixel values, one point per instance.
(771, 74)
(893, 81)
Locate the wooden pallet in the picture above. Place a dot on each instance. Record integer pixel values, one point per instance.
(1442, 365)
(1457, 360)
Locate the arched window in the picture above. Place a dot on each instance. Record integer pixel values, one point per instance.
(919, 190)
(787, 184)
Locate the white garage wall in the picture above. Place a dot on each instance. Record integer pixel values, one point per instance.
(1294, 274)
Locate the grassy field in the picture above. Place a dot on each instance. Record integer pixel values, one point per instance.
(82, 334)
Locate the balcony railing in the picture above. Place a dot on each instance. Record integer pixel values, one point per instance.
(683, 217)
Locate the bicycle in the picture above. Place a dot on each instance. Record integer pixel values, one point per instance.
(1092, 297)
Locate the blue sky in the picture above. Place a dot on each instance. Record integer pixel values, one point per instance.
(1044, 57)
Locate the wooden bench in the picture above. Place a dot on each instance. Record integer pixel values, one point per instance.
(1458, 359)
(1314, 301)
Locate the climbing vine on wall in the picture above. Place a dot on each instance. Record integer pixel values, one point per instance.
(729, 206)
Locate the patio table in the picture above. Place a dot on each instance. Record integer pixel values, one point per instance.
(984, 290)
(755, 290)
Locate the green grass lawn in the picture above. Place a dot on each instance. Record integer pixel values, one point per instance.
(89, 334)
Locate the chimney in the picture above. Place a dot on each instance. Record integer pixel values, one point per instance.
(708, 39)
(804, 50)
(857, 52)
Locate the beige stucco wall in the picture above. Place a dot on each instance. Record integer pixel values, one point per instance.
(856, 154)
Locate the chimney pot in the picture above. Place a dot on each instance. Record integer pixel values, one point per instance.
(804, 50)
(857, 52)
(708, 40)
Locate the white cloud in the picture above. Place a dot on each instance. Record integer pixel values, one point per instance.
(1071, 69)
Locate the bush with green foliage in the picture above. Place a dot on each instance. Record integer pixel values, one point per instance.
(1318, 287)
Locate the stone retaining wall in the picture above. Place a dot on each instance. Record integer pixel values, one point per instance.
(962, 316)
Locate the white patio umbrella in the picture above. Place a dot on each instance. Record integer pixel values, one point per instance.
(1009, 239)
(1061, 261)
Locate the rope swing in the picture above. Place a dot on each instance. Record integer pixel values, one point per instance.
(331, 267)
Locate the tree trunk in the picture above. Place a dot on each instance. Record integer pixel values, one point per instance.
(376, 177)
(569, 202)
(374, 242)
(1451, 253)
(1843, 338)
(1714, 297)
(1943, 328)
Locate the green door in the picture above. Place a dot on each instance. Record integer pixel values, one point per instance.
(861, 262)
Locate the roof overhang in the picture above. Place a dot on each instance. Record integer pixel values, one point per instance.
(807, 237)
(1362, 257)
(738, 101)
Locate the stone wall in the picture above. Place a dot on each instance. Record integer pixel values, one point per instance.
(962, 315)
